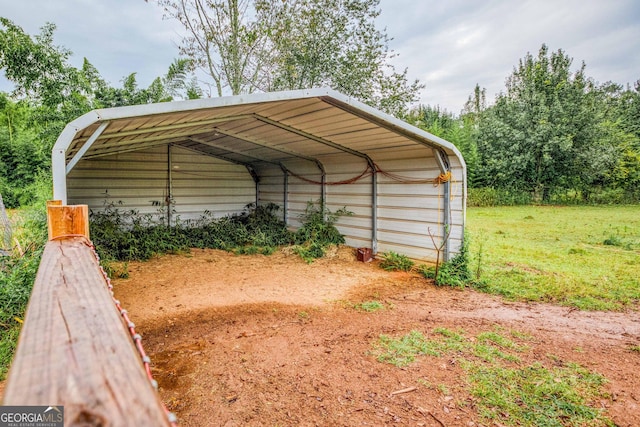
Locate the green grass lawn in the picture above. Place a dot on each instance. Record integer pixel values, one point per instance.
(582, 256)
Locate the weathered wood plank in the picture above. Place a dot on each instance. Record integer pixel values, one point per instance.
(74, 349)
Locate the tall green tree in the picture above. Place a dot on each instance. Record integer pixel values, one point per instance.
(336, 43)
(542, 134)
(629, 109)
(620, 130)
(23, 158)
(224, 40)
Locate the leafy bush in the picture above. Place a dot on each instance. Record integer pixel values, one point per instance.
(454, 272)
(126, 235)
(392, 261)
(489, 196)
(264, 228)
(427, 271)
(318, 231)
(318, 225)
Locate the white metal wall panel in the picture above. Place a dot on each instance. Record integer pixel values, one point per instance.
(356, 197)
(202, 183)
(408, 211)
(140, 180)
(271, 187)
(136, 180)
(405, 211)
(299, 191)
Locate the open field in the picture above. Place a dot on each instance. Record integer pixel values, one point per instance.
(587, 257)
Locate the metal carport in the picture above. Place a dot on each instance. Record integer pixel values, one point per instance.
(219, 154)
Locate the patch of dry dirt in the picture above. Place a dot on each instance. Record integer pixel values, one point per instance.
(266, 341)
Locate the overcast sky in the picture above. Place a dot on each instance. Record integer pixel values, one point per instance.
(449, 45)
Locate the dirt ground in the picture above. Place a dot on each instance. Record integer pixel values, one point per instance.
(273, 341)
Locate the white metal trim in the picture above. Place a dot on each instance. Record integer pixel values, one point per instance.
(81, 152)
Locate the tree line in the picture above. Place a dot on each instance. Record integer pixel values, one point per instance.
(552, 135)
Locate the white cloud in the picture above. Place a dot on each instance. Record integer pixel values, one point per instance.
(453, 45)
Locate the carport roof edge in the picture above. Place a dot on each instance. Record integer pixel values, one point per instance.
(344, 101)
(327, 96)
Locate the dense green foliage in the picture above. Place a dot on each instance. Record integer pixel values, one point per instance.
(48, 93)
(24, 160)
(318, 231)
(17, 274)
(126, 235)
(456, 272)
(393, 261)
(553, 136)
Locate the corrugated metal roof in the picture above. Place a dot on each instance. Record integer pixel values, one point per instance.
(248, 129)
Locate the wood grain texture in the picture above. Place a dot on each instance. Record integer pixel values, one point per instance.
(74, 349)
(67, 220)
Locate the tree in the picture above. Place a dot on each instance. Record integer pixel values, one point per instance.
(266, 45)
(38, 68)
(541, 135)
(22, 156)
(476, 104)
(460, 131)
(223, 40)
(336, 43)
(619, 130)
(629, 109)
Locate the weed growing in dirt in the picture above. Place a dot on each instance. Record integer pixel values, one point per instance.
(370, 306)
(403, 351)
(318, 231)
(442, 388)
(560, 255)
(506, 392)
(455, 272)
(425, 383)
(635, 348)
(537, 396)
(621, 242)
(392, 261)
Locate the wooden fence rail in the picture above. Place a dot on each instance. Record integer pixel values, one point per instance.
(74, 349)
